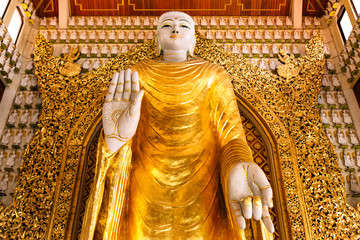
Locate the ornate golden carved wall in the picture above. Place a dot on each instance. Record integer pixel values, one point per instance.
(313, 197)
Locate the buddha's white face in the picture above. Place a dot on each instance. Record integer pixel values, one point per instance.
(176, 33)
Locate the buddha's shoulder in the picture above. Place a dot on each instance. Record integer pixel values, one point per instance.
(194, 63)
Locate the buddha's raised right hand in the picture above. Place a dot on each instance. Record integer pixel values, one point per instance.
(121, 110)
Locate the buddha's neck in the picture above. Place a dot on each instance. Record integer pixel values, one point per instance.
(174, 55)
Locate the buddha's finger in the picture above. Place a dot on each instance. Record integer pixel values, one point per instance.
(267, 220)
(119, 87)
(267, 195)
(112, 87)
(246, 207)
(257, 208)
(265, 188)
(127, 86)
(136, 102)
(135, 85)
(236, 209)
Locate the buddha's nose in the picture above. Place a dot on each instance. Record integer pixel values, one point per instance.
(175, 31)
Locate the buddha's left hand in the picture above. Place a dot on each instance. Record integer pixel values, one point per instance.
(250, 194)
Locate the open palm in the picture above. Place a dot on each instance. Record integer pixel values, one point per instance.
(121, 110)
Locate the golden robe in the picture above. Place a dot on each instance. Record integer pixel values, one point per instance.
(188, 138)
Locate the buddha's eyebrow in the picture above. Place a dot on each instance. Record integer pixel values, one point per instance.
(167, 20)
(185, 21)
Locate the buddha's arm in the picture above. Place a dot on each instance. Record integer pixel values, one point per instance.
(243, 182)
(106, 202)
(227, 123)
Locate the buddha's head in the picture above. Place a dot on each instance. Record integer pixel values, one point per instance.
(175, 31)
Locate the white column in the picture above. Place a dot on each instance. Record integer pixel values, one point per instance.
(63, 13)
(296, 12)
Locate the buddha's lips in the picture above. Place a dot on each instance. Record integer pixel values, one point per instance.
(175, 36)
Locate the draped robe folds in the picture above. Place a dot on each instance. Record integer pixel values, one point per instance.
(170, 180)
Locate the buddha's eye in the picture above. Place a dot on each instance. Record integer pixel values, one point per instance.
(166, 26)
(184, 26)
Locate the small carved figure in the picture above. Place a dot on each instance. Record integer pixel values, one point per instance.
(96, 64)
(236, 49)
(6, 137)
(354, 184)
(335, 117)
(109, 22)
(84, 50)
(24, 117)
(269, 21)
(19, 98)
(288, 21)
(18, 137)
(353, 138)
(340, 98)
(100, 22)
(248, 34)
(71, 21)
(341, 138)
(228, 35)
(330, 99)
(124, 49)
(33, 82)
(255, 49)
(272, 64)
(10, 160)
(297, 35)
(4, 184)
(232, 22)
(347, 117)
(330, 136)
(324, 117)
(241, 21)
(114, 50)
(264, 64)
(251, 21)
(147, 22)
(218, 35)
(307, 21)
(238, 35)
(275, 49)
(29, 99)
(81, 21)
(104, 50)
(258, 34)
(358, 158)
(65, 49)
(330, 65)
(53, 21)
(95, 50)
(325, 81)
(90, 21)
(121, 35)
(222, 21)
(12, 117)
(245, 49)
(261, 21)
(29, 136)
(86, 65)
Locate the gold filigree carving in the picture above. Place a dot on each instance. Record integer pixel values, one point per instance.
(289, 70)
(69, 68)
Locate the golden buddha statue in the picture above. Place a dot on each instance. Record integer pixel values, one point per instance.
(173, 161)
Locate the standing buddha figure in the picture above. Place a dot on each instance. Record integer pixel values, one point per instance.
(176, 123)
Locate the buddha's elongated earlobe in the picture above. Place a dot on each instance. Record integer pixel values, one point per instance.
(158, 46)
(192, 47)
